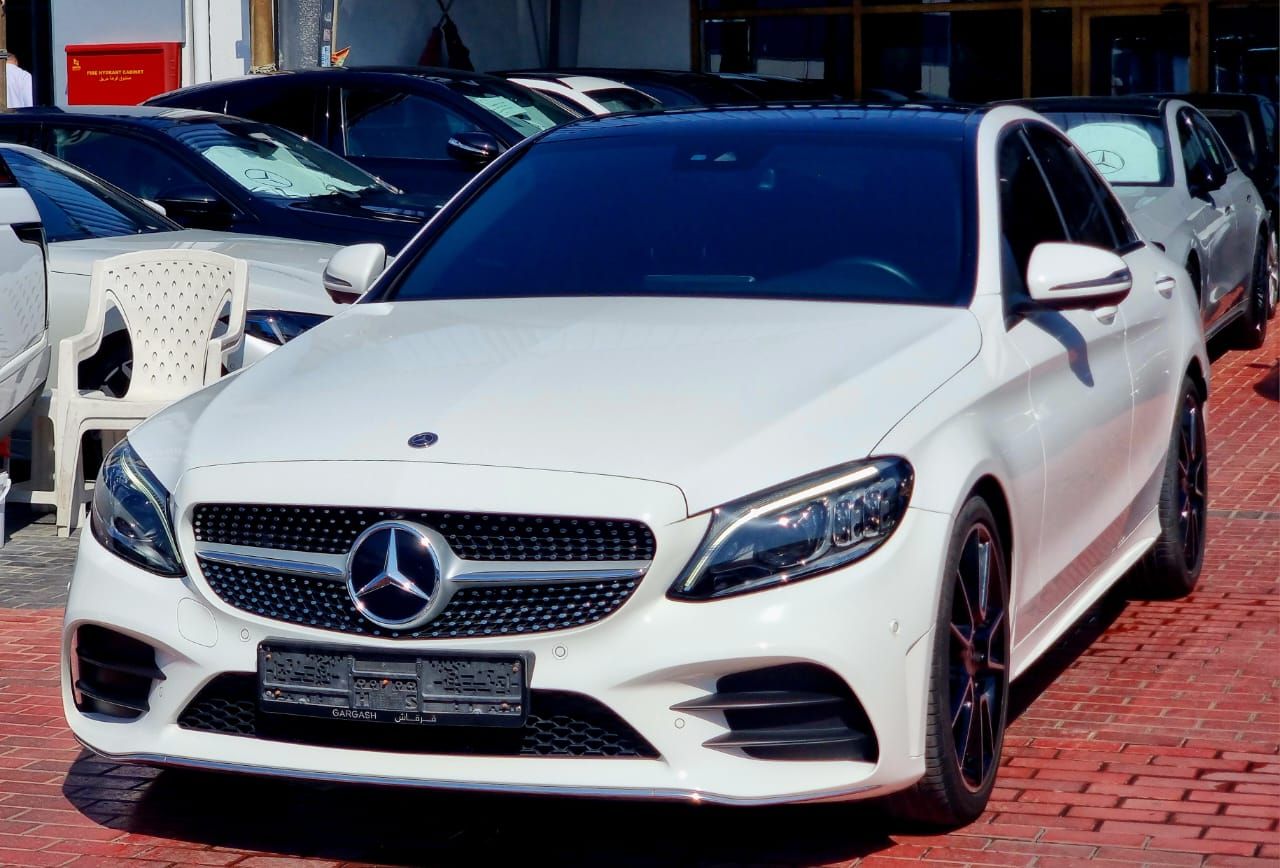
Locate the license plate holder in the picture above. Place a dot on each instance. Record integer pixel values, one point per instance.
(428, 688)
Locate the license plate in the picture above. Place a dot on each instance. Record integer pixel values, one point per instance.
(433, 689)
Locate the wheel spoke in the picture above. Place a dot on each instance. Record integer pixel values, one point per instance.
(965, 704)
(984, 579)
(958, 633)
(968, 604)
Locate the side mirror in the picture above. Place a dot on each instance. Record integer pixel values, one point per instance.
(352, 270)
(1203, 180)
(1071, 276)
(478, 149)
(196, 206)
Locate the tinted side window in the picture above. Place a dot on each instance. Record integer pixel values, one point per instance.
(386, 123)
(1213, 144)
(1074, 187)
(294, 108)
(1028, 214)
(21, 134)
(133, 164)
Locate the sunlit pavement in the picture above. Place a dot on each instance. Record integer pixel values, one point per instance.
(1150, 735)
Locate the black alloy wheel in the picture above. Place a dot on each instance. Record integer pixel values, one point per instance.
(1193, 482)
(968, 687)
(979, 659)
(1172, 566)
(1252, 330)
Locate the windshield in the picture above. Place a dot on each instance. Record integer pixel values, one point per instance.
(268, 161)
(624, 99)
(761, 213)
(74, 206)
(1126, 149)
(524, 110)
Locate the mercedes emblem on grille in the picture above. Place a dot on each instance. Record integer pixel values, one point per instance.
(423, 440)
(393, 575)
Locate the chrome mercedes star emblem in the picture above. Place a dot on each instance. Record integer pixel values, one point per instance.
(393, 574)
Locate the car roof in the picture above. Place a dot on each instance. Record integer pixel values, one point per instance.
(135, 115)
(934, 121)
(431, 74)
(1241, 101)
(1124, 105)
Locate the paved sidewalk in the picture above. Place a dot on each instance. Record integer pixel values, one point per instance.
(1150, 735)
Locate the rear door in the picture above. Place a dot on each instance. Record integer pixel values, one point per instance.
(24, 318)
(402, 138)
(1211, 220)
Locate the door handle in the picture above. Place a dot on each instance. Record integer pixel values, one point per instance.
(1229, 209)
(1166, 284)
(1106, 315)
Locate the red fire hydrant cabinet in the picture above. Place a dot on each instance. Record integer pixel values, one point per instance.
(122, 73)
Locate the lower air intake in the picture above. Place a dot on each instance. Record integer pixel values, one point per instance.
(559, 725)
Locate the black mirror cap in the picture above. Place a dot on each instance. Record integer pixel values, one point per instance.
(1203, 180)
(475, 148)
(196, 206)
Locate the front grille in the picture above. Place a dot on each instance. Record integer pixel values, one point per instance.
(559, 725)
(488, 611)
(472, 536)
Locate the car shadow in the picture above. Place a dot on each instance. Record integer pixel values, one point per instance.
(1269, 385)
(384, 825)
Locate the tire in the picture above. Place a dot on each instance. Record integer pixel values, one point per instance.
(1251, 331)
(968, 681)
(1273, 276)
(1172, 566)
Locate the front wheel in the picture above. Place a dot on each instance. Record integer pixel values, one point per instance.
(969, 678)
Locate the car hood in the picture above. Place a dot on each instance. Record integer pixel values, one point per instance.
(718, 397)
(284, 274)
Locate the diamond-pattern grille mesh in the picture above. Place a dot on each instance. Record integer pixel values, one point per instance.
(472, 536)
(559, 725)
(488, 611)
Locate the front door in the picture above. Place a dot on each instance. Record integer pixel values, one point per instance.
(1080, 385)
(1139, 50)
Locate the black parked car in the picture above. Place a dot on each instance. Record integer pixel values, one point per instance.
(425, 130)
(210, 171)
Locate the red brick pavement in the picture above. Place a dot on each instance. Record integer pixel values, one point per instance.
(1150, 735)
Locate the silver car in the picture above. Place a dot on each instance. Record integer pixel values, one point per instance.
(1185, 192)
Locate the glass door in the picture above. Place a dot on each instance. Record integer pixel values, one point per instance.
(1139, 50)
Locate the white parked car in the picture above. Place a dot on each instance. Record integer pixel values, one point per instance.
(758, 489)
(86, 219)
(24, 336)
(1185, 191)
(589, 94)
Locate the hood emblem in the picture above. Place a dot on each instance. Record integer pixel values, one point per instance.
(423, 440)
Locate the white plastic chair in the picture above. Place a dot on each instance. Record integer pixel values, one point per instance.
(170, 301)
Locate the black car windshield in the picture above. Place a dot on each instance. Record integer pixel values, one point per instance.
(755, 213)
(268, 161)
(524, 110)
(74, 206)
(1126, 149)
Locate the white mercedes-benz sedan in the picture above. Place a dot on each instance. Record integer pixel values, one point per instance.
(740, 456)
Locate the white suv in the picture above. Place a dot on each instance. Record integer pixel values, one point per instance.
(24, 317)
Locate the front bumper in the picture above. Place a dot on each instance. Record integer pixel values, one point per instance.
(869, 623)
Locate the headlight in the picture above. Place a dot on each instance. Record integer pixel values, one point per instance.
(130, 514)
(796, 531)
(279, 326)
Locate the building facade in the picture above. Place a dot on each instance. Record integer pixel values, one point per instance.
(969, 50)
